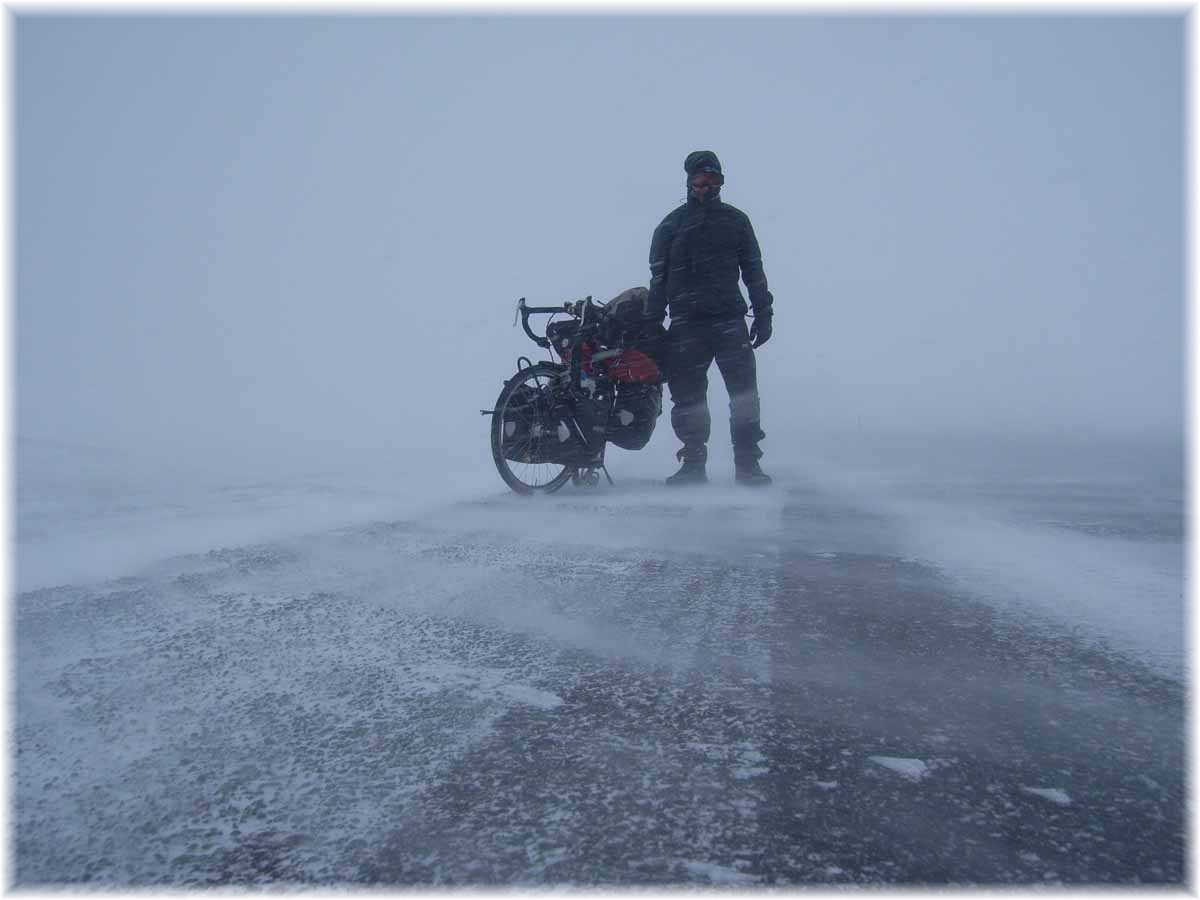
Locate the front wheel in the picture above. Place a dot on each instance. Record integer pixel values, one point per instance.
(523, 424)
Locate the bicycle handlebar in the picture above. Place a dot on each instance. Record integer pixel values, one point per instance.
(576, 309)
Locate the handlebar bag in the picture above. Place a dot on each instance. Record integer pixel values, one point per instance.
(561, 334)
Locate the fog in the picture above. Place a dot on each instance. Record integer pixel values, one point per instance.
(284, 240)
(277, 620)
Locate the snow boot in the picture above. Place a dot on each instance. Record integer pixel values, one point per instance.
(691, 472)
(751, 473)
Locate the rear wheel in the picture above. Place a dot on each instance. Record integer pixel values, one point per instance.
(528, 397)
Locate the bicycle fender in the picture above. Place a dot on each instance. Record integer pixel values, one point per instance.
(558, 367)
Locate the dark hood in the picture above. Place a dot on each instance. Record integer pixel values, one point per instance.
(699, 159)
(695, 161)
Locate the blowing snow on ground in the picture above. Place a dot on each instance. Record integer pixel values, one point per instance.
(300, 681)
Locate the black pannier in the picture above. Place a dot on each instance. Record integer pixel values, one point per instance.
(519, 417)
(634, 415)
(527, 436)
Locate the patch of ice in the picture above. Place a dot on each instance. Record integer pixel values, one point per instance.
(717, 874)
(1054, 795)
(909, 768)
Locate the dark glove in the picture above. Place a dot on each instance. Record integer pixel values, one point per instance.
(760, 330)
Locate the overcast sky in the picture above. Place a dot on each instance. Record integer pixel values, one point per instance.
(239, 235)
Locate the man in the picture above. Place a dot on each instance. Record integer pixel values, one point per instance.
(695, 258)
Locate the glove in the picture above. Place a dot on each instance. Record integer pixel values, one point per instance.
(760, 330)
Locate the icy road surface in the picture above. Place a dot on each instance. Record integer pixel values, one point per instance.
(628, 686)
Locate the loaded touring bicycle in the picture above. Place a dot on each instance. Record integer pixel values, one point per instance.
(553, 419)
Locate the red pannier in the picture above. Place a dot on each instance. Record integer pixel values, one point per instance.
(633, 367)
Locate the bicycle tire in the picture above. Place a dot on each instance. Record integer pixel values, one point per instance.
(527, 479)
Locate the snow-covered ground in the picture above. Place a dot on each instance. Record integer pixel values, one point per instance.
(86, 514)
(1098, 551)
(373, 677)
(283, 661)
(1096, 547)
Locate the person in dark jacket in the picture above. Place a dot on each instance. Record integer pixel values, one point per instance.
(696, 256)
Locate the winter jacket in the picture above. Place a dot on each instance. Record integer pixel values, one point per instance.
(696, 254)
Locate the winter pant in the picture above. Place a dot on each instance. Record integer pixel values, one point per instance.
(691, 349)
